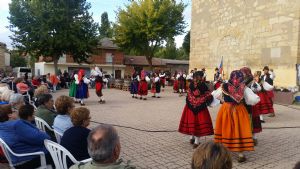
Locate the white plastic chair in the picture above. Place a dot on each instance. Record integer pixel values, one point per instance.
(59, 155)
(41, 124)
(58, 136)
(7, 152)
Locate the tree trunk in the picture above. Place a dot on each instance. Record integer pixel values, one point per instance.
(55, 61)
(149, 59)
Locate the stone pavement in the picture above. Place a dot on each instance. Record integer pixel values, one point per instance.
(278, 148)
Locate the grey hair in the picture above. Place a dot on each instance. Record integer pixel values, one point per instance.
(16, 99)
(103, 149)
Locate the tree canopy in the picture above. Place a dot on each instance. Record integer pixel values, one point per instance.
(105, 29)
(53, 28)
(144, 25)
(186, 43)
(16, 60)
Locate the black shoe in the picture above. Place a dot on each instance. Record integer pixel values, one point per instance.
(82, 104)
(132, 96)
(192, 141)
(141, 98)
(145, 99)
(262, 121)
(158, 97)
(152, 96)
(255, 142)
(242, 159)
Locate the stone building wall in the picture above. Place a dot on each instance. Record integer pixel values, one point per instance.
(3, 52)
(250, 33)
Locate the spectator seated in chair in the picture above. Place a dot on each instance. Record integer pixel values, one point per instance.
(46, 111)
(75, 138)
(6, 114)
(24, 137)
(63, 105)
(104, 149)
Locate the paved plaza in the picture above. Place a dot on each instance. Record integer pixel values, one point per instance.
(164, 147)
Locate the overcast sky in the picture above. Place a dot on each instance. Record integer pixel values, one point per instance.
(98, 7)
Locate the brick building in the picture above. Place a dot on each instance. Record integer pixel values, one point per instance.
(4, 56)
(106, 55)
(250, 33)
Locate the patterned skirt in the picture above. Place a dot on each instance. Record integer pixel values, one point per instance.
(233, 128)
(196, 125)
(266, 104)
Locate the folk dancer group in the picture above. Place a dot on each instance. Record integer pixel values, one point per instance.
(79, 85)
(139, 84)
(244, 98)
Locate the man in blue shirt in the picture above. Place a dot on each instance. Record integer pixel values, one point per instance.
(22, 136)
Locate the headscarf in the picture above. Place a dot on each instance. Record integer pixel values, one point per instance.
(80, 74)
(236, 86)
(248, 77)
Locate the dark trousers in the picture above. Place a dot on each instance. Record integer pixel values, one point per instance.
(36, 162)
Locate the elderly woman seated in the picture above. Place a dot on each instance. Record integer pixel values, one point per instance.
(75, 138)
(23, 137)
(62, 121)
(104, 148)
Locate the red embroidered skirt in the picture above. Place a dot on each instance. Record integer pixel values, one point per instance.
(196, 125)
(255, 119)
(143, 88)
(266, 104)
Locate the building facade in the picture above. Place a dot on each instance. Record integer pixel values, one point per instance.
(4, 56)
(106, 56)
(252, 33)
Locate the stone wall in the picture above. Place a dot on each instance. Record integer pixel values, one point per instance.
(3, 51)
(250, 33)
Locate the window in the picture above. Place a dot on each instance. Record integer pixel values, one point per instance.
(108, 58)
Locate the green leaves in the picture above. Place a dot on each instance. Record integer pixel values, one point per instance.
(105, 30)
(53, 28)
(144, 25)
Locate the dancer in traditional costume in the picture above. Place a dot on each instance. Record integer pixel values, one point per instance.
(257, 128)
(233, 128)
(253, 112)
(162, 79)
(156, 86)
(181, 83)
(195, 120)
(143, 85)
(73, 86)
(175, 85)
(134, 85)
(266, 95)
(217, 79)
(99, 84)
(82, 89)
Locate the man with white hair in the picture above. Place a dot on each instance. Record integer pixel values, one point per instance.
(104, 148)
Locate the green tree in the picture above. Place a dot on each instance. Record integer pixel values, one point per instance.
(53, 28)
(16, 59)
(186, 43)
(144, 25)
(105, 29)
